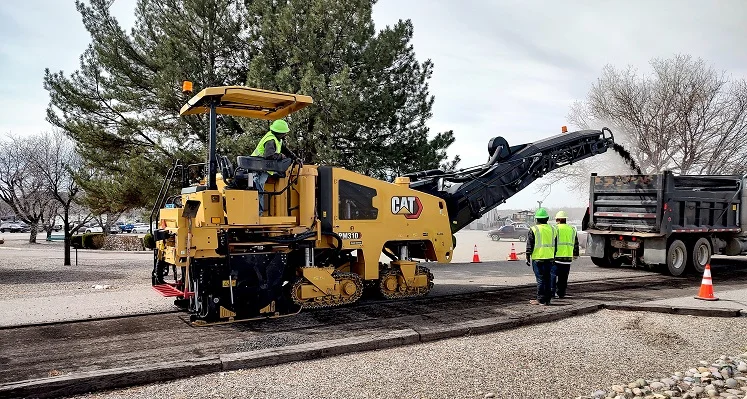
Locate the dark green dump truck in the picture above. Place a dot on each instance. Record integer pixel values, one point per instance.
(665, 220)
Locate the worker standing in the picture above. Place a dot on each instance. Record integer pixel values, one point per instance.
(270, 146)
(541, 253)
(566, 250)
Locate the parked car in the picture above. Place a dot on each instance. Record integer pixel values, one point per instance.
(43, 227)
(509, 231)
(11, 227)
(94, 229)
(125, 227)
(114, 229)
(140, 228)
(24, 227)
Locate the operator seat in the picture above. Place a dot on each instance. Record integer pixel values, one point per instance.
(260, 164)
(248, 166)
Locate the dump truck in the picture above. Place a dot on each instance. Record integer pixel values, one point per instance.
(665, 221)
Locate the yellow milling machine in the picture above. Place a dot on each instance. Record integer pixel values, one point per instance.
(324, 229)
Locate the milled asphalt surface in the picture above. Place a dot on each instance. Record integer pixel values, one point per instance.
(564, 359)
(32, 277)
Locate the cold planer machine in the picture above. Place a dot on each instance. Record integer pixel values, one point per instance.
(320, 240)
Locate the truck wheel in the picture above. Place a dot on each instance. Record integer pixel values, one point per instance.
(601, 262)
(676, 258)
(700, 255)
(607, 261)
(495, 237)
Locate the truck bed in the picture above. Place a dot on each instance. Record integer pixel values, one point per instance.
(662, 204)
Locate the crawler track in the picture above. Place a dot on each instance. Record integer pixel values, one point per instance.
(36, 351)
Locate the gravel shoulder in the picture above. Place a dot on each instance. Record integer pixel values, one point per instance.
(564, 359)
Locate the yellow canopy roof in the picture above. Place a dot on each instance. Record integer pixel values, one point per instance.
(246, 102)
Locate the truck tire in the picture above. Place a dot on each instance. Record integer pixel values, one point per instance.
(677, 258)
(700, 255)
(607, 261)
(601, 262)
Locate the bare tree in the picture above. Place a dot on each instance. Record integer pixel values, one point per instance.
(107, 220)
(58, 162)
(21, 187)
(685, 116)
(5, 210)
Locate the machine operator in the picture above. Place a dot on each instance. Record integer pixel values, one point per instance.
(270, 146)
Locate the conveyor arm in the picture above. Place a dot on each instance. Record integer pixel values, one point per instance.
(471, 193)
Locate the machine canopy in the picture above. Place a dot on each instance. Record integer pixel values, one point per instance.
(247, 102)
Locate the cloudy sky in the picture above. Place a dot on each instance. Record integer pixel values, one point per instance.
(509, 68)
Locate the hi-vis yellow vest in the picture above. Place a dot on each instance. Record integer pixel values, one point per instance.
(260, 150)
(544, 242)
(566, 240)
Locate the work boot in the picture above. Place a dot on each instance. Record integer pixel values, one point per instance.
(535, 302)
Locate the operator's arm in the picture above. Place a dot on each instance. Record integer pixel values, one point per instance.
(530, 244)
(271, 152)
(576, 250)
(287, 152)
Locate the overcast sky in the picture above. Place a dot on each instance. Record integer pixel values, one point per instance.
(509, 68)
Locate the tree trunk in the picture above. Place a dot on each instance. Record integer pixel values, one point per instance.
(32, 235)
(68, 234)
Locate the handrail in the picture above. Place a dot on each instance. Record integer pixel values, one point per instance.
(162, 193)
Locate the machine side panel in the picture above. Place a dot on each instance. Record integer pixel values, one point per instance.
(370, 212)
(326, 199)
(242, 207)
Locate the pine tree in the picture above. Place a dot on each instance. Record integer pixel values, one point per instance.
(371, 94)
(121, 107)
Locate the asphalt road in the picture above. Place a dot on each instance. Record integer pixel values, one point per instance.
(32, 277)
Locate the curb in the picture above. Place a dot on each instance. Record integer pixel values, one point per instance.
(90, 381)
(317, 350)
(120, 377)
(483, 326)
(705, 312)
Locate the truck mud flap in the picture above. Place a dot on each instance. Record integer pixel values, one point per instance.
(655, 250)
(595, 245)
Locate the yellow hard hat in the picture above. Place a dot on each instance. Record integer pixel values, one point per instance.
(561, 215)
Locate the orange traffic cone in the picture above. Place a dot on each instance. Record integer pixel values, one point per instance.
(512, 255)
(706, 287)
(475, 256)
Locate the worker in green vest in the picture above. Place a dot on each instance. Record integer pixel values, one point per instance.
(270, 146)
(541, 255)
(566, 250)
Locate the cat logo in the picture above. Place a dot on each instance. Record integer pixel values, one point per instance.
(408, 206)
